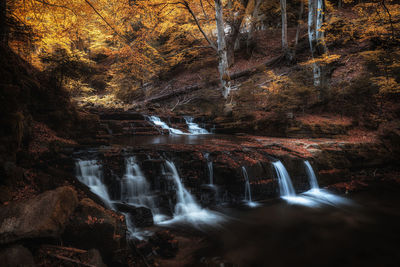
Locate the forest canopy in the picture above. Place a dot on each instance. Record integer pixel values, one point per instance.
(119, 47)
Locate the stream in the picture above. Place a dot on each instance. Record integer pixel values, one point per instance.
(185, 184)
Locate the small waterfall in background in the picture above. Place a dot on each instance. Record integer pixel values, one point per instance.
(286, 187)
(321, 195)
(89, 173)
(135, 190)
(247, 189)
(158, 122)
(186, 208)
(194, 128)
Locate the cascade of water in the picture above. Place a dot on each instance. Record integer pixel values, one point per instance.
(186, 208)
(158, 122)
(133, 232)
(135, 189)
(194, 128)
(318, 194)
(286, 187)
(210, 168)
(247, 189)
(311, 175)
(285, 183)
(89, 172)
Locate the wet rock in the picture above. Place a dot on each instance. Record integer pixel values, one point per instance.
(16, 256)
(164, 244)
(92, 226)
(44, 216)
(95, 258)
(141, 216)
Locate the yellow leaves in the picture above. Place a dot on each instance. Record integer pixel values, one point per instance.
(324, 60)
(276, 82)
(387, 85)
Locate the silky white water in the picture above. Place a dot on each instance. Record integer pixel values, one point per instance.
(186, 208)
(210, 169)
(318, 194)
(135, 190)
(286, 187)
(194, 128)
(311, 175)
(89, 172)
(158, 122)
(247, 189)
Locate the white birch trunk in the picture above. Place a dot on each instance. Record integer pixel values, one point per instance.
(284, 26)
(222, 50)
(313, 36)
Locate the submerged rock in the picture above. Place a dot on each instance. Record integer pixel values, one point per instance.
(41, 217)
(141, 216)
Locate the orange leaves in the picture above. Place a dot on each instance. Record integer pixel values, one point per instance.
(93, 220)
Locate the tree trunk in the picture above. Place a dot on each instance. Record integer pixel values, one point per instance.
(250, 33)
(316, 9)
(222, 49)
(284, 26)
(296, 41)
(3, 22)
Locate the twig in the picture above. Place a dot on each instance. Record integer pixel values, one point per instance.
(70, 260)
(66, 248)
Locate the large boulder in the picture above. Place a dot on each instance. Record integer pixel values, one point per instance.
(92, 226)
(41, 217)
(16, 256)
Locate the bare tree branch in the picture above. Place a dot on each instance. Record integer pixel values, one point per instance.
(187, 6)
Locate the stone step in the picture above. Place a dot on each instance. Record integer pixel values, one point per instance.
(121, 116)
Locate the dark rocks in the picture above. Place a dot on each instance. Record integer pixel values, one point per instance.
(121, 116)
(95, 258)
(92, 226)
(16, 256)
(141, 216)
(164, 244)
(41, 217)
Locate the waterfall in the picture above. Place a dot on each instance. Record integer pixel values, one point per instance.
(285, 183)
(321, 195)
(186, 208)
(135, 190)
(133, 231)
(286, 187)
(311, 175)
(194, 128)
(247, 189)
(89, 172)
(158, 122)
(210, 168)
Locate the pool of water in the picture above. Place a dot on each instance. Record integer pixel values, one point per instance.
(278, 234)
(174, 139)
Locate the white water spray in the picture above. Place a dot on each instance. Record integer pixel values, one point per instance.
(194, 128)
(286, 187)
(247, 189)
(187, 209)
(158, 122)
(321, 195)
(89, 172)
(210, 168)
(135, 190)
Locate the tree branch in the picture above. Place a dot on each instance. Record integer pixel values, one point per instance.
(55, 5)
(186, 5)
(108, 24)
